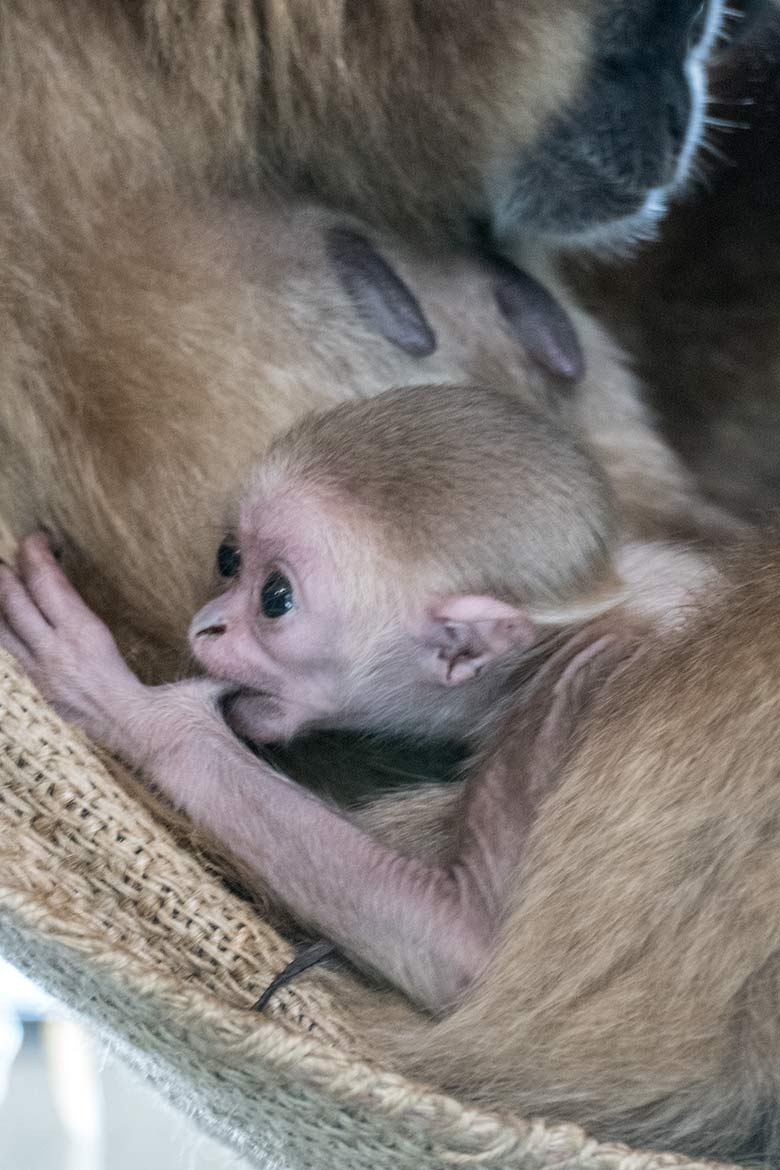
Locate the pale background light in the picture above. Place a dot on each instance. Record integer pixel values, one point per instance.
(68, 1103)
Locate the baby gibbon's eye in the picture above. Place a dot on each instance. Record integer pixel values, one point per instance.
(228, 559)
(276, 596)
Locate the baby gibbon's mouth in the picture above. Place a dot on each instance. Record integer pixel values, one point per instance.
(231, 699)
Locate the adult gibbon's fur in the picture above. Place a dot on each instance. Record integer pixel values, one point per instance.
(157, 332)
(699, 310)
(514, 116)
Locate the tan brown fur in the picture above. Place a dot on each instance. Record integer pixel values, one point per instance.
(636, 987)
(152, 333)
(395, 110)
(155, 334)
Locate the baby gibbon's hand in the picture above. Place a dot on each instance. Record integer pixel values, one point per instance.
(67, 651)
(72, 658)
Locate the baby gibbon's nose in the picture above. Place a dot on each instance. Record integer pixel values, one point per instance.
(209, 631)
(211, 621)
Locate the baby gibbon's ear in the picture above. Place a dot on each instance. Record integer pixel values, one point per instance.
(462, 635)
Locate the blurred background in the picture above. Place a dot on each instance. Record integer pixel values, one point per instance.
(68, 1103)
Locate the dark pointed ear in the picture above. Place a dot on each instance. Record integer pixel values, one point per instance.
(462, 635)
(384, 302)
(538, 321)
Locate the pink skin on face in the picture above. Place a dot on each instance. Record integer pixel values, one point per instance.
(332, 660)
(290, 669)
(428, 930)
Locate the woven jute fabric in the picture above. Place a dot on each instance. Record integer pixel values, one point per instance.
(103, 907)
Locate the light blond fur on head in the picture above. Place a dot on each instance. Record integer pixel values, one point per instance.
(462, 490)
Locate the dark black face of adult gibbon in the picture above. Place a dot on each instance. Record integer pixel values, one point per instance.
(607, 163)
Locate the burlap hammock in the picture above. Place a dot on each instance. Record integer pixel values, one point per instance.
(101, 906)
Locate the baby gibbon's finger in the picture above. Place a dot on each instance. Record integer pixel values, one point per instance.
(20, 612)
(15, 647)
(51, 590)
